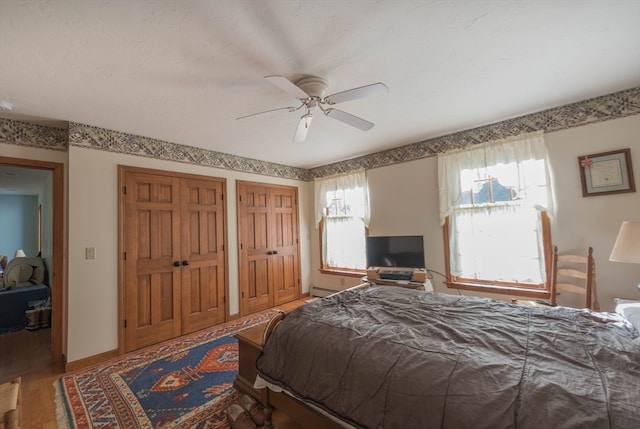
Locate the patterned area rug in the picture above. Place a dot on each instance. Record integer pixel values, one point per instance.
(182, 383)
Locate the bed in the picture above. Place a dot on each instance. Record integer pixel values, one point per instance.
(387, 357)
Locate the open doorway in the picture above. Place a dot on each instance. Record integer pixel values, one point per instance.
(48, 227)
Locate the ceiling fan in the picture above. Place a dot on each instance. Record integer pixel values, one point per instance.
(310, 93)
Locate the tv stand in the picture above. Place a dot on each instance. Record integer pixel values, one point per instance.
(425, 285)
(397, 274)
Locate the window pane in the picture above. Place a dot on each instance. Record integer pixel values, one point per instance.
(345, 202)
(501, 242)
(344, 239)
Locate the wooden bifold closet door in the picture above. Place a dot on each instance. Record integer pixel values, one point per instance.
(268, 241)
(174, 261)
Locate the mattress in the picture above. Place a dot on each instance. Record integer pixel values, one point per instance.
(398, 358)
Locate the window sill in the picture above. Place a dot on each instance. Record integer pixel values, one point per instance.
(343, 272)
(501, 289)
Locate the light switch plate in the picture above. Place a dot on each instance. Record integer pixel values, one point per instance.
(90, 253)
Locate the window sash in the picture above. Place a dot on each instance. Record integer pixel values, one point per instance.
(540, 291)
(476, 253)
(344, 243)
(511, 231)
(351, 188)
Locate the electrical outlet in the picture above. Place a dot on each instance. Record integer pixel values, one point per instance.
(90, 253)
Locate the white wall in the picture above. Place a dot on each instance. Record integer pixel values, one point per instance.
(594, 221)
(93, 204)
(404, 200)
(19, 215)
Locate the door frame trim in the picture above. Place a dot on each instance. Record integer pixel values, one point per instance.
(58, 256)
(122, 171)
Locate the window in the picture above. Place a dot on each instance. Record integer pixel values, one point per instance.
(494, 205)
(342, 214)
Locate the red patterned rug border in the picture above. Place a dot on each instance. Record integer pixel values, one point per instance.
(71, 401)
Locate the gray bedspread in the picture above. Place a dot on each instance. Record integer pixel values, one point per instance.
(390, 357)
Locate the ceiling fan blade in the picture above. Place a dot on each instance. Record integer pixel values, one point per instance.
(361, 92)
(287, 86)
(303, 128)
(349, 119)
(290, 109)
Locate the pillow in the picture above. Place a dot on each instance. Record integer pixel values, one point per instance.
(630, 310)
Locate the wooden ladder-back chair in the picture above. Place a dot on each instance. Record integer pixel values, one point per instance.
(575, 274)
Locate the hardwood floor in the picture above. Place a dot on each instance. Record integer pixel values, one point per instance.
(28, 354)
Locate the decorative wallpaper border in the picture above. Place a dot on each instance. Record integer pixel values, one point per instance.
(600, 109)
(33, 135)
(613, 106)
(114, 141)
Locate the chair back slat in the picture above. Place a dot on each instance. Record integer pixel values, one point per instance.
(574, 274)
(570, 272)
(570, 287)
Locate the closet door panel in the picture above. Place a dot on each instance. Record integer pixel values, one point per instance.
(257, 294)
(203, 260)
(152, 281)
(285, 244)
(254, 236)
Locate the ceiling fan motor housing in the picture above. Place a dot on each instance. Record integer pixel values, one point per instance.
(314, 86)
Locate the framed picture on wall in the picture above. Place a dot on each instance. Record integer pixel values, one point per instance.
(606, 173)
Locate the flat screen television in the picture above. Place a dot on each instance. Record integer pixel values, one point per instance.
(406, 251)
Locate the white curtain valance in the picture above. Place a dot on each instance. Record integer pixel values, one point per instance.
(351, 189)
(521, 163)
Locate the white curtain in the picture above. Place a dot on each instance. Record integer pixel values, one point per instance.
(344, 243)
(351, 189)
(516, 241)
(510, 229)
(343, 202)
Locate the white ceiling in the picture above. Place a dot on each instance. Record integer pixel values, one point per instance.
(182, 71)
(24, 181)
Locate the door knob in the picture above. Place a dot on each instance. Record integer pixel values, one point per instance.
(185, 262)
(176, 263)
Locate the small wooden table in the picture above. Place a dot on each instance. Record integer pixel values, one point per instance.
(249, 348)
